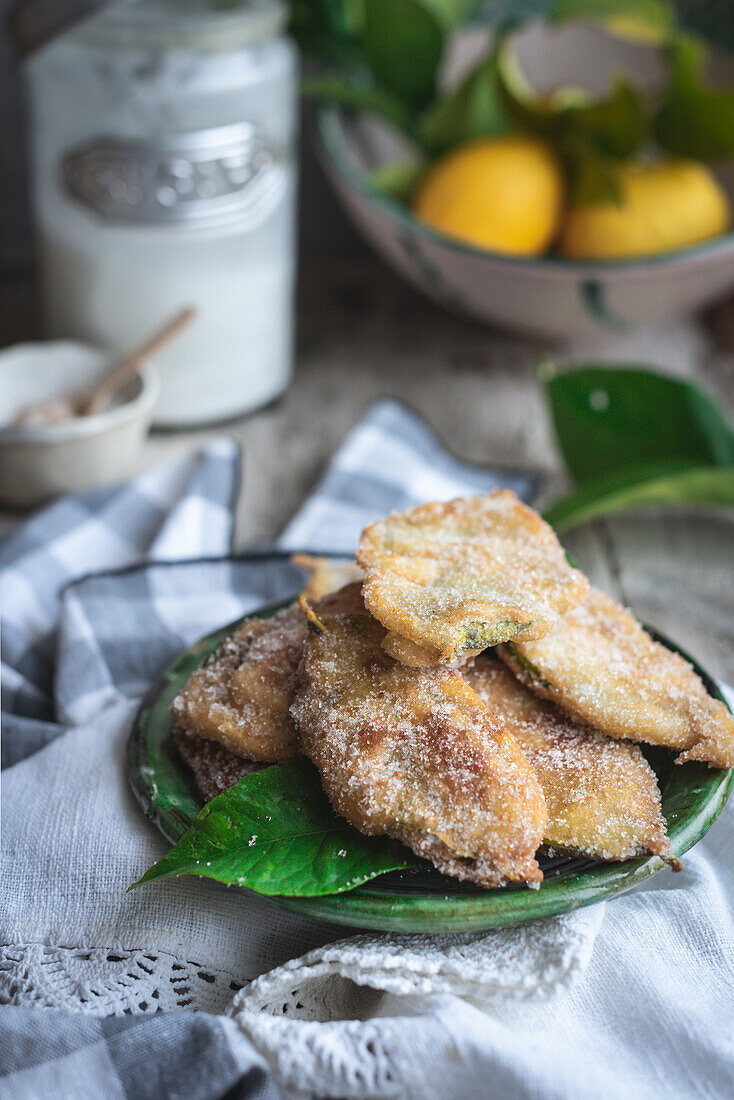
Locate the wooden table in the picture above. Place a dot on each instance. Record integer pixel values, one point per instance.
(362, 333)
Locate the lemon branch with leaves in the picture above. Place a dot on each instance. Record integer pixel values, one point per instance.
(384, 56)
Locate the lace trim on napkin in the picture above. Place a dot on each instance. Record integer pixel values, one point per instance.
(321, 1021)
(110, 982)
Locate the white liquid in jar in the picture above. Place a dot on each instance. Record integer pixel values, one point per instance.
(113, 286)
(114, 268)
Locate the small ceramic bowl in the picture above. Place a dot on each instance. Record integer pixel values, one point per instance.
(38, 462)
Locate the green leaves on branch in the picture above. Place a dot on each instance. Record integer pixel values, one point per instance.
(694, 120)
(403, 43)
(399, 44)
(474, 109)
(275, 832)
(631, 437)
(383, 56)
(591, 135)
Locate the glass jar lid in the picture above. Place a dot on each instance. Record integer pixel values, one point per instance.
(128, 24)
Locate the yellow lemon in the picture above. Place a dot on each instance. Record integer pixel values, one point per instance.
(663, 206)
(501, 193)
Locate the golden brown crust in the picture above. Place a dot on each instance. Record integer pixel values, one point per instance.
(215, 769)
(452, 578)
(602, 795)
(325, 575)
(240, 697)
(604, 669)
(414, 754)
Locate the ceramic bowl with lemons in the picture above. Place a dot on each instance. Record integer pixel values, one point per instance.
(489, 229)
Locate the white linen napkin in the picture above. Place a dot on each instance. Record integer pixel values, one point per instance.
(370, 1015)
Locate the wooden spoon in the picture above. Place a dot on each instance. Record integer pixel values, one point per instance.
(89, 402)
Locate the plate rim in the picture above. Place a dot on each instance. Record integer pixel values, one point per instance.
(371, 906)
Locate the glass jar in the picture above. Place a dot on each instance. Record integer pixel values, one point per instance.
(164, 176)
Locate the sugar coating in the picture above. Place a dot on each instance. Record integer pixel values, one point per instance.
(602, 795)
(215, 768)
(413, 753)
(452, 578)
(603, 668)
(241, 695)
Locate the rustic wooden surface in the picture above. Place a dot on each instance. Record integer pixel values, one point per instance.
(363, 333)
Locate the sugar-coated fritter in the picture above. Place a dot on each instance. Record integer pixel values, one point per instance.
(215, 768)
(603, 668)
(602, 796)
(414, 754)
(326, 575)
(448, 580)
(241, 695)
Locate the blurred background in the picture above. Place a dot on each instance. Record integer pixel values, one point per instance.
(421, 198)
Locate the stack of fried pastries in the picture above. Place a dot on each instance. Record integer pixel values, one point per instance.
(470, 694)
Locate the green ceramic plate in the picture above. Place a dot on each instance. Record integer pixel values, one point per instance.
(416, 901)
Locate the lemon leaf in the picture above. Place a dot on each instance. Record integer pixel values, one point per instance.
(609, 419)
(694, 119)
(398, 178)
(403, 42)
(472, 110)
(642, 487)
(593, 178)
(613, 126)
(275, 832)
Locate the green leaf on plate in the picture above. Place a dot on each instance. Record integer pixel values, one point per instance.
(609, 420)
(642, 486)
(275, 833)
(398, 178)
(473, 109)
(358, 97)
(694, 119)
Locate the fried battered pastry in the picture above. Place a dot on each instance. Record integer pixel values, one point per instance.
(215, 768)
(600, 666)
(413, 753)
(448, 580)
(326, 575)
(241, 695)
(602, 796)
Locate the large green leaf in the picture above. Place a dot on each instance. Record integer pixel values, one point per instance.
(643, 486)
(694, 119)
(403, 42)
(609, 420)
(275, 832)
(471, 110)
